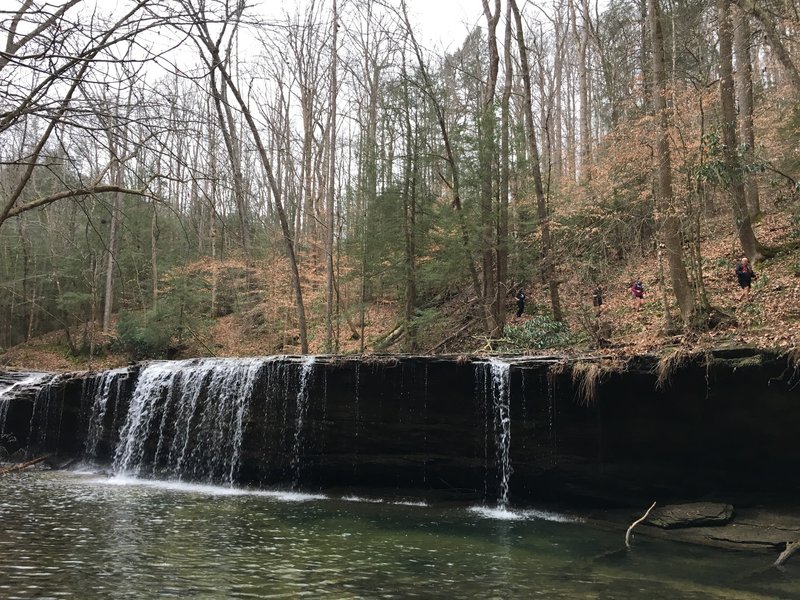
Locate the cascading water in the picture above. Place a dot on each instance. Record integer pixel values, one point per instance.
(495, 379)
(45, 419)
(102, 391)
(306, 371)
(195, 411)
(14, 385)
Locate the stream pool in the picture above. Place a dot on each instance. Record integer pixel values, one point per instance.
(73, 535)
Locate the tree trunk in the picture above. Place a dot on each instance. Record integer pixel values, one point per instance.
(154, 253)
(582, 39)
(744, 227)
(744, 92)
(643, 47)
(409, 217)
(774, 40)
(505, 177)
(227, 126)
(487, 163)
(670, 223)
(558, 68)
(113, 243)
(548, 266)
(329, 236)
(454, 184)
(207, 40)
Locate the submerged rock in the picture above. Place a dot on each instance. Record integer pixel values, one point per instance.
(695, 514)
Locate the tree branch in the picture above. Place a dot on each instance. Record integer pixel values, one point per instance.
(77, 192)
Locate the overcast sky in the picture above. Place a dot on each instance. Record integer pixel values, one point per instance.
(445, 22)
(439, 23)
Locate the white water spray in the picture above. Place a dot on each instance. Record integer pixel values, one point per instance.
(306, 370)
(501, 378)
(199, 426)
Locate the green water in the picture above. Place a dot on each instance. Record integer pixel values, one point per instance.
(68, 535)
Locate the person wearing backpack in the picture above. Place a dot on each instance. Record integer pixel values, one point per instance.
(745, 275)
(637, 291)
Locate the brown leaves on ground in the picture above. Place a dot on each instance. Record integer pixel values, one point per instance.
(264, 322)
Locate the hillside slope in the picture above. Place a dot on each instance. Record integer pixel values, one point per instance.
(769, 318)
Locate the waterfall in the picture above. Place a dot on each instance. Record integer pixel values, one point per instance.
(42, 418)
(495, 379)
(13, 385)
(100, 392)
(195, 411)
(306, 370)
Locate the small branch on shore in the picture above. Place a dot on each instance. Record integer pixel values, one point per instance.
(634, 524)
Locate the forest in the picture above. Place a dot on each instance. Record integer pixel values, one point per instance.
(198, 177)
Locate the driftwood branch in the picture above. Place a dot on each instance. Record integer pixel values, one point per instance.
(634, 524)
(791, 548)
(23, 466)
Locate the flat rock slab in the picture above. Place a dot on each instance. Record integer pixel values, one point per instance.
(695, 514)
(748, 536)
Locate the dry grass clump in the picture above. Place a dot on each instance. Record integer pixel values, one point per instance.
(587, 377)
(793, 360)
(669, 364)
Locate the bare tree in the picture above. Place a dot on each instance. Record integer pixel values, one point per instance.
(744, 93)
(487, 157)
(213, 58)
(51, 96)
(548, 266)
(744, 227)
(670, 223)
(772, 34)
(330, 224)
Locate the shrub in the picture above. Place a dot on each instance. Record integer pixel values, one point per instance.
(157, 332)
(145, 334)
(538, 333)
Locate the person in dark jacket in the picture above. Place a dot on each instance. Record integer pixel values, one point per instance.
(745, 275)
(597, 300)
(637, 291)
(520, 303)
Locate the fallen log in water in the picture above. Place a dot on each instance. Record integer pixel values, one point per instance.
(23, 466)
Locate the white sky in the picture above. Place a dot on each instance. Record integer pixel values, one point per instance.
(445, 23)
(438, 23)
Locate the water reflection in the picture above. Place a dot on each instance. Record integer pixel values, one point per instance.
(80, 536)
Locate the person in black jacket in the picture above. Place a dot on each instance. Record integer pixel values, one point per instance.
(597, 300)
(520, 303)
(745, 275)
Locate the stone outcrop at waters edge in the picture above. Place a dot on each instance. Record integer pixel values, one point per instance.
(522, 429)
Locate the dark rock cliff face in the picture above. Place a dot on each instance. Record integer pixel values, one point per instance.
(725, 422)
